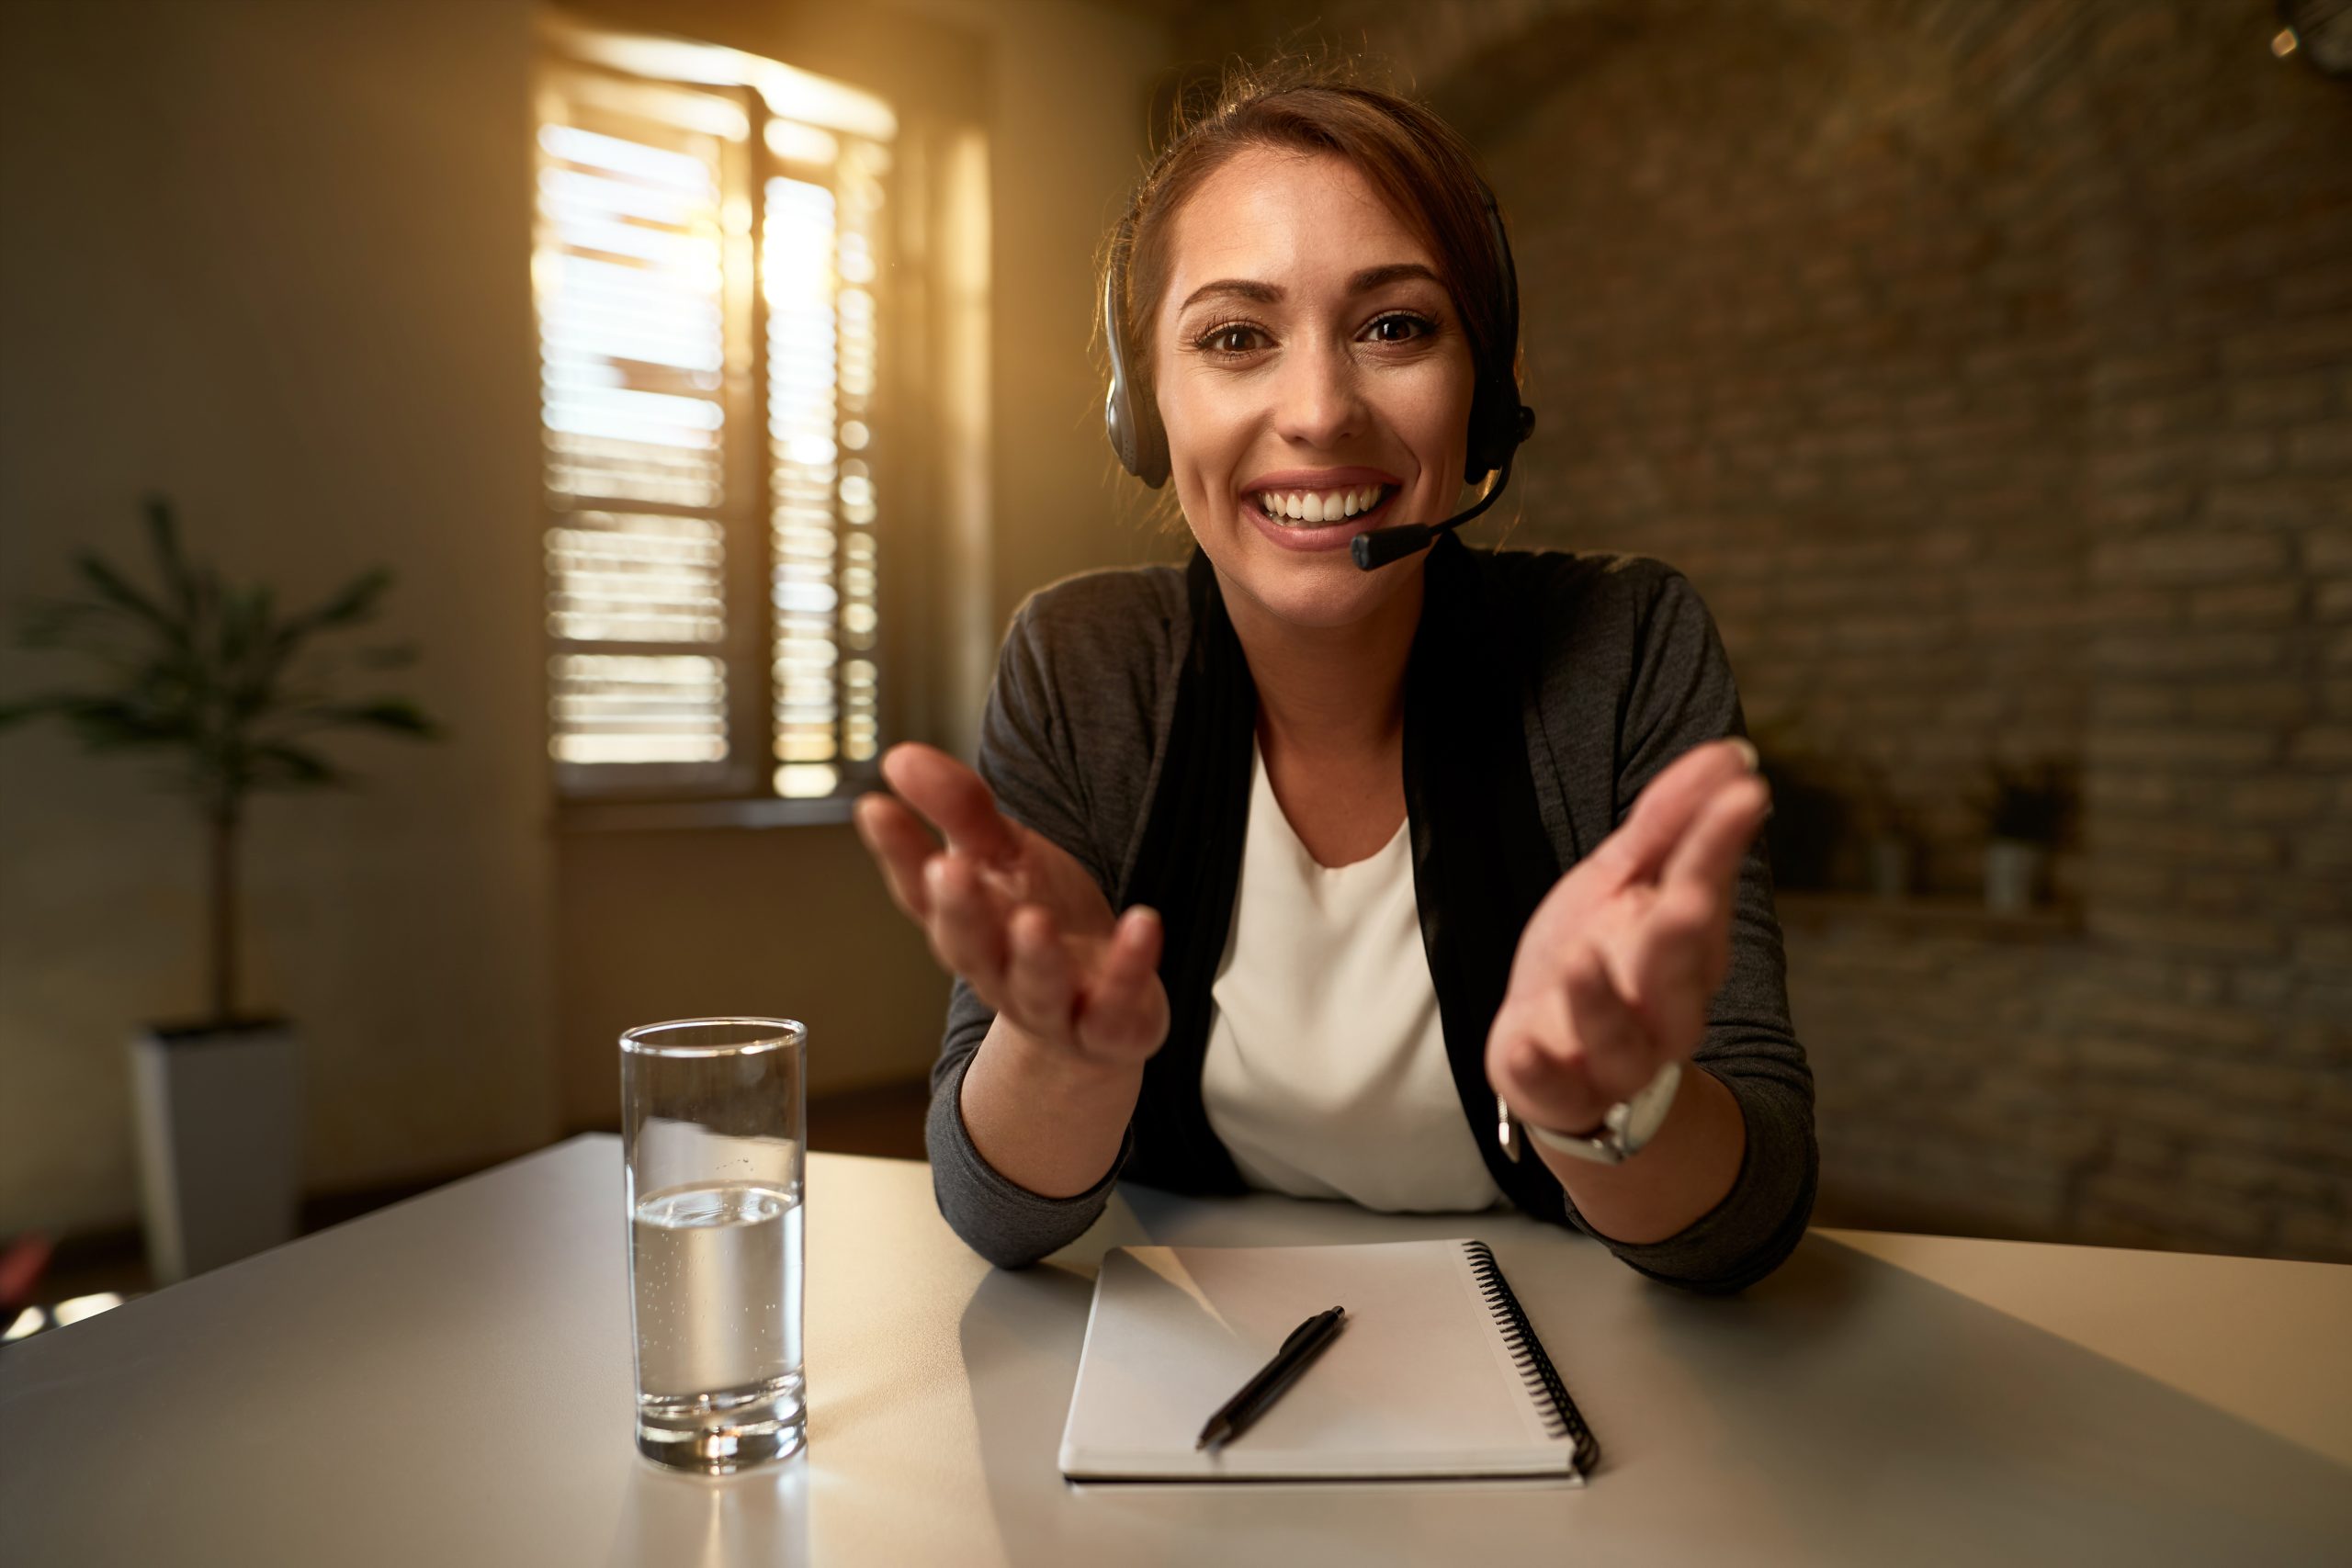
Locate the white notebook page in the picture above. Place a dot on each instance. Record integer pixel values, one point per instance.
(1418, 1382)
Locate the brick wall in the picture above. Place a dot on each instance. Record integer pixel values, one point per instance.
(1989, 369)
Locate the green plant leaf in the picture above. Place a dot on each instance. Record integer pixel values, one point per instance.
(355, 602)
(162, 533)
(112, 724)
(280, 766)
(116, 590)
(219, 697)
(29, 708)
(396, 714)
(390, 656)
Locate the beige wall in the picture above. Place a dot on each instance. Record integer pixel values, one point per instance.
(272, 258)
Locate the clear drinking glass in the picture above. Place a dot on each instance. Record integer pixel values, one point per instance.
(714, 1118)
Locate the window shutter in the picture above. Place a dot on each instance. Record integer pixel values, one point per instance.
(707, 270)
(634, 185)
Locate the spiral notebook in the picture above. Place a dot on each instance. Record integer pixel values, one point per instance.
(1437, 1374)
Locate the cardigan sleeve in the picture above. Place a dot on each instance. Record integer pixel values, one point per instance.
(1025, 758)
(1681, 695)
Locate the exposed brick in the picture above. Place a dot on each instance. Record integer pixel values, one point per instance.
(2187, 843)
(2327, 549)
(2219, 1027)
(2191, 653)
(2272, 703)
(2320, 1235)
(2190, 934)
(2121, 608)
(2277, 799)
(2280, 400)
(2328, 948)
(2246, 604)
(2276, 503)
(2322, 849)
(1986, 453)
(2191, 557)
(2321, 447)
(2220, 750)
(2317, 340)
(2326, 745)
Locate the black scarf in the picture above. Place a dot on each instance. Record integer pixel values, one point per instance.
(1482, 861)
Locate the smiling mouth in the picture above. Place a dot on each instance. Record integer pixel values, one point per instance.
(1319, 508)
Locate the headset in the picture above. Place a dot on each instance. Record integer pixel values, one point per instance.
(1499, 421)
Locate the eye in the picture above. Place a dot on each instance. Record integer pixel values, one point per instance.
(1231, 341)
(1400, 326)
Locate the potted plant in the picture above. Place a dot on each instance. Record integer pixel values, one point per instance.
(2026, 814)
(229, 696)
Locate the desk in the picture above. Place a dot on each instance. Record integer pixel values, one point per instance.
(447, 1381)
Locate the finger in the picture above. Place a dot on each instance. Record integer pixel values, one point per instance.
(894, 836)
(1668, 967)
(953, 798)
(1637, 851)
(1037, 983)
(1711, 851)
(1124, 1009)
(967, 925)
(1616, 1050)
(1544, 1084)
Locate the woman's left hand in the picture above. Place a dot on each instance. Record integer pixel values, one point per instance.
(1616, 967)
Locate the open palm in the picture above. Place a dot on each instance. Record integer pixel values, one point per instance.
(1614, 973)
(1014, 914)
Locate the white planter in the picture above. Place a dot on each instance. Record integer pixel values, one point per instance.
(2012, 874)
(218, 1120)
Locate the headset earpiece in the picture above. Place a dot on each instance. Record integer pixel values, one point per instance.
(1139, 440)
(1499, 421)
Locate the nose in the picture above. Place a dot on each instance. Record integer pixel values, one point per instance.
(1317, 404)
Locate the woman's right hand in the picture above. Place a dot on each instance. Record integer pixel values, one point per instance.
(1015, 915)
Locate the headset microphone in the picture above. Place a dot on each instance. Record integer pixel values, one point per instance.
(1376, 547)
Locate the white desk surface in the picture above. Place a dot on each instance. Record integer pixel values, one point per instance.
(447, 1381)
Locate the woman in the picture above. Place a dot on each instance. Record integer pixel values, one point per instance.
(1410, 886)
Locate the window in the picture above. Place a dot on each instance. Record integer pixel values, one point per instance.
(708, 270)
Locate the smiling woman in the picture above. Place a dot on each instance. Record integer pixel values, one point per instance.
(1290, 870)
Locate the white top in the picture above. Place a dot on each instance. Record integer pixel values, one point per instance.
(1327, 1075)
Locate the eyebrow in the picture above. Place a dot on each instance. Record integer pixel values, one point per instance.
(1363, 282)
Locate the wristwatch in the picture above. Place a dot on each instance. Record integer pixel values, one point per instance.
(1625, 1127)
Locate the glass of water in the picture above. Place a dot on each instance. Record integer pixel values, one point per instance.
(714, 1118)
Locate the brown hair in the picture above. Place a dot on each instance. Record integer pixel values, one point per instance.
(1419, 164)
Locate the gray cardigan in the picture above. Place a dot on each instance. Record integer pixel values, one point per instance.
(1632, 675)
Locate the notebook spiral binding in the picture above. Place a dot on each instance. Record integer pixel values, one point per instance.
(1561, 1418)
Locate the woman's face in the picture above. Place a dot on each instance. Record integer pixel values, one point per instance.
(1308, 364)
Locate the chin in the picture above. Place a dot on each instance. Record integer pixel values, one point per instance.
(1320, 590)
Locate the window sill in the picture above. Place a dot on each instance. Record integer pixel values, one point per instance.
(674, 816)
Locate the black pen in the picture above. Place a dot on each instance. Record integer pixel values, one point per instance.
(1261, 1392)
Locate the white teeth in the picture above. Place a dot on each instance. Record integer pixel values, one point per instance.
(1319, 506)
